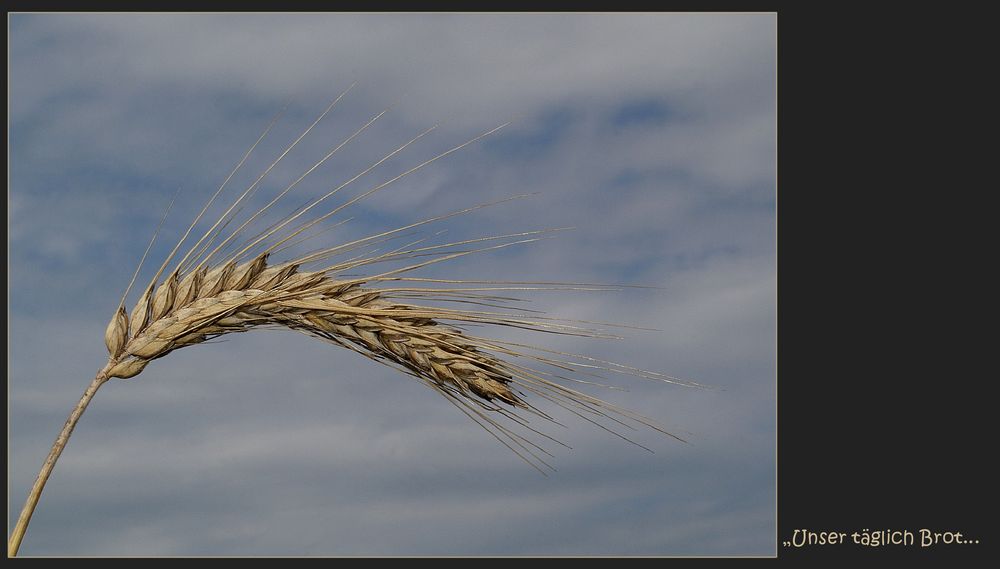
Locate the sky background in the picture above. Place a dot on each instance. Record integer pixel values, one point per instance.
(652, 134)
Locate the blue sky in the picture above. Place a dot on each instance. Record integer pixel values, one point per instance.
(652, 134)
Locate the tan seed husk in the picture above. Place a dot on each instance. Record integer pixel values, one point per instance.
(163, 300)
(140, 314)
(187, 289)
(116, 332)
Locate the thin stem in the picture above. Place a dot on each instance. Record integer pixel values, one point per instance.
(36, 491)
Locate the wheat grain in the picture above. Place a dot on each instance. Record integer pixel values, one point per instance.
(211, 293)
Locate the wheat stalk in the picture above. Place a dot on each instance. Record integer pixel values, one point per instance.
(210, 293)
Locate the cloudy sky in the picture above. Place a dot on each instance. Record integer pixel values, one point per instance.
(652, 134)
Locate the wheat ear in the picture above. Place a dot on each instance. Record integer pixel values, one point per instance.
(212, 292)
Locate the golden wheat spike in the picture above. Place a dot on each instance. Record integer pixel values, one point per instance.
(207, 295)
